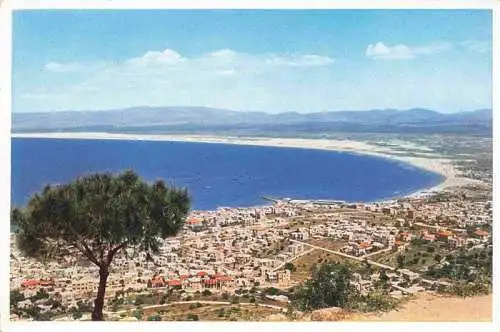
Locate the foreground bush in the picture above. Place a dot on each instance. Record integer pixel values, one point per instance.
(330, 286)
(466, 289)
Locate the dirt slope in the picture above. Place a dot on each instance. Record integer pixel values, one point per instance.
(432, 308)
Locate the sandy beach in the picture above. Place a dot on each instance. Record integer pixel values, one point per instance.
(427, 161)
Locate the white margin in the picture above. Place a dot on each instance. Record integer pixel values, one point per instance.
(6, 8)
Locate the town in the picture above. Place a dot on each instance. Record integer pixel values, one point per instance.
(229, 252)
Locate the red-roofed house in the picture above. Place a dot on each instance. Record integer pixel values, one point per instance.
(156, 281)
(30, 283)
(481, 234)
(210, 283)
(174, 284)
(443, 235)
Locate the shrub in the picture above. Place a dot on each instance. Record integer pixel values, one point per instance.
(192, 317)
(15, 297)
(138, 313)
(466, 289)
(77, 315)
(377, 302)
(206, 292)
(329, 287)
(271, 291)
(154, 317)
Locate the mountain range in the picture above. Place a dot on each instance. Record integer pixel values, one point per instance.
(146, 119)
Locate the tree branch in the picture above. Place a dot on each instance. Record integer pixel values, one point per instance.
(90, 254)
(87, 253)
(113, 251)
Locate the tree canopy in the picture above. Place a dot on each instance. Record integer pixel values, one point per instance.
(329, 287)
(98, 215)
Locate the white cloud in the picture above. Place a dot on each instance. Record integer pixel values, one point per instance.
(166, 57)
(222, 78)
(41, 96)
(229, 62)
(272, 82)
(164, 65)
(305, 60)
(62, 67)
(401, 51)
(476, 46)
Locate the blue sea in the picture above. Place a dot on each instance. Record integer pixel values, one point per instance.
(217, 175)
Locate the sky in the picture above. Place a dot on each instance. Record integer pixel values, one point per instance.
(252, 60)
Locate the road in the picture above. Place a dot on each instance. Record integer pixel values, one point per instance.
(157, 306)
(376, 252)
(292, 259)
(359, 259)
(362, 259)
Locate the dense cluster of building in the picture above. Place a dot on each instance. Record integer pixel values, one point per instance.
(230, 249)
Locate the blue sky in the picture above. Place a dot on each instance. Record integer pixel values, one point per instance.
(275, 61)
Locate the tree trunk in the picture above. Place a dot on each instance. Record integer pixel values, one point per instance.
(99, 301)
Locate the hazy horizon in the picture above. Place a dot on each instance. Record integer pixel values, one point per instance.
(272, 61)
(247, 110)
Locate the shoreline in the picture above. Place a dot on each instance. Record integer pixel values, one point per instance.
(434, 164)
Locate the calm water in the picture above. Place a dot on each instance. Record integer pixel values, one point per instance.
(216, 174)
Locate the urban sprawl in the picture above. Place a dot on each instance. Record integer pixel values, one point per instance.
(233, 251)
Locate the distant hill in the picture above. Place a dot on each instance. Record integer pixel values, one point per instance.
(202, 119)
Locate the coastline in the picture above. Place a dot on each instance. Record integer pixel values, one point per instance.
(431, 163)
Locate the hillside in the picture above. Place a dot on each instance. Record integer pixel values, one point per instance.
(211, 120)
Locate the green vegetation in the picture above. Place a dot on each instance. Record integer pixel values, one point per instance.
(155, 318)
(290, 267)
(139, 313)
(193, 317)
(467, 266)
(221, 312)
(419, 256)
(375, 301)
(465, 289)
(76, 315)
(195, 305)
(330, 287)
(99, 215)
(271, 291)
(15, 297)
